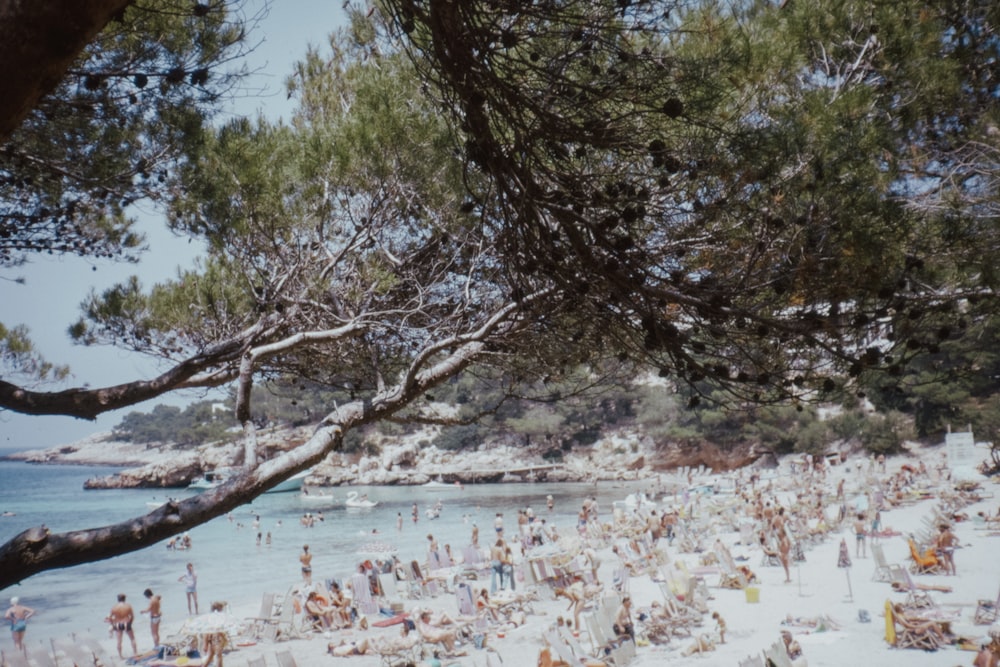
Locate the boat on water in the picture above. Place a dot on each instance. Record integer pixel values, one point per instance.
(316, 497)
(215, 478)
(438, 485)
(354, 501)
(293, 483)
(212, 479)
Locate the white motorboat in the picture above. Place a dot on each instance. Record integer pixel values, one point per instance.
(220, 476)
(354, 501)
(316, 498)
(211, 479)
(293, 483)
(438, 485)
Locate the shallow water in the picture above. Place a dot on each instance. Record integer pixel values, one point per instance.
(229, 564)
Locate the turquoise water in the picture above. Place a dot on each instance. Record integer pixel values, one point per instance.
(230, 566)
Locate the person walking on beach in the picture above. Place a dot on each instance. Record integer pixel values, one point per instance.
(306, 559)
(17, 615)
(860, 532)
(121, 618)
(190, 581)
(154, 614)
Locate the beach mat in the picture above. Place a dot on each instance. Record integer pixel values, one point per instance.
(392, 620)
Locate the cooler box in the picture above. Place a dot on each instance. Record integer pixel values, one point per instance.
(753, 594)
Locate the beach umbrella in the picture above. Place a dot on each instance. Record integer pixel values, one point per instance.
(213, 623)
(377, 549)
(844, 561)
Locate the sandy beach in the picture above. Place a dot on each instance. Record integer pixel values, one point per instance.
(823, 606)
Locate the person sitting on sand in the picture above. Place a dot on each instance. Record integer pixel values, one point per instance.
(318, 611)
(793, 649)
(345, 649)
(435, 634)
(702, 644)
(623, 625)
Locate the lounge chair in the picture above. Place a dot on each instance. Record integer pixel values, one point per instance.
(285, 659)
(987, 611)
(882, 571)
(901, 633)
(265, 616)
(777, 655)
(257, 662)
(923, 563)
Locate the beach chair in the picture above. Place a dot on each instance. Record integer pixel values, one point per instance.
(285, 659)
(387, 583)
(986, 611)
(916, 599)
(264, 616)
(901, 635)
(493, 659)
(882, 572)
(283, 625)
(361, 595)
(257, 662)
(464, 598)
(923, 563)
(752, 661)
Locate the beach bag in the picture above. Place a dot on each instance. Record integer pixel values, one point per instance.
(479, 640)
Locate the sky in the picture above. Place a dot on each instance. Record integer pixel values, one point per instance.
(54, 286)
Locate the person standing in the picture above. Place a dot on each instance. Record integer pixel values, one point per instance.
(154, 614)
(17, 615)
(190, 581)
(399, 521)
(860, 533)
(121, 618)
(306, 559)
(945, 545)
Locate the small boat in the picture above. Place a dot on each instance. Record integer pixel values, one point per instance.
(293, 483)
(438, 485)
(354, 501)
(212, 479)
(315, 498)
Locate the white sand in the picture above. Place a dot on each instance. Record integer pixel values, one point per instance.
(818, 587)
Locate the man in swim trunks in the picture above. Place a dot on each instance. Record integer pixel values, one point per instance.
(154, 614)
(17, 615)
(306, 559)
(121, 618)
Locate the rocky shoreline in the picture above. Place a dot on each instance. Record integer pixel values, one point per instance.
(401, 461)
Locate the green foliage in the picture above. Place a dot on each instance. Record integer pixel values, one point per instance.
(115, 129)
(18, 353)
(465, 436)
(194, 425)
(884, 434)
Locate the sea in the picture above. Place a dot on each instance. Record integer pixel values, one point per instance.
(231, 567)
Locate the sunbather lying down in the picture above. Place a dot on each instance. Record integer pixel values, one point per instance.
(819, 623)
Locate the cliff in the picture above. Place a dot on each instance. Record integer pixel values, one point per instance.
(403, 460)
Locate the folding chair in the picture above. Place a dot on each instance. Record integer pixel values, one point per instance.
(257, 662)
(285, 659)
(987, 611)
(882, 572)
